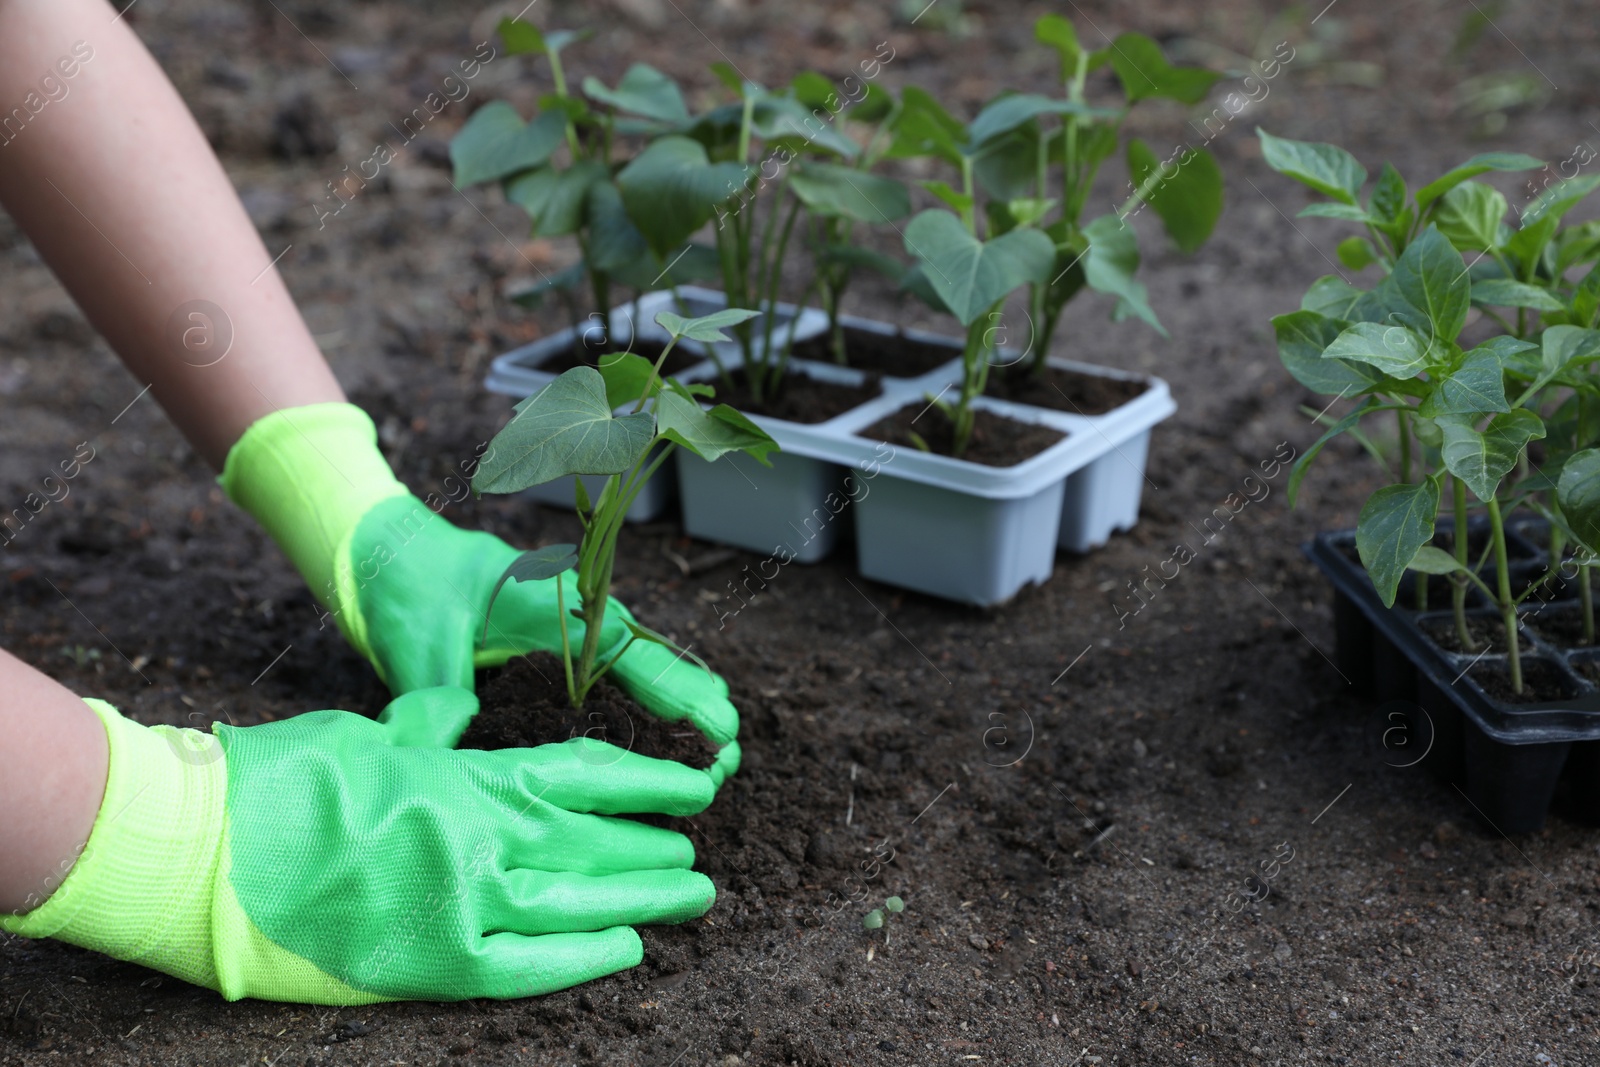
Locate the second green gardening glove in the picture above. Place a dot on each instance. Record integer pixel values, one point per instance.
(409, 590)
(317, 860)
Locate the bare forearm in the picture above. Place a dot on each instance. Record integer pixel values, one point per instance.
(118, 189)
(52, 775)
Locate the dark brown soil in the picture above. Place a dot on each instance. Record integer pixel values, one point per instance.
(1483, 630)
(800, 398)
(895, 355)
(1559, 624)
(525, 704)
(996, 441)
(580, 356)
(1064, 390)
(1541, 681)
(1589, 668)
(1085, 904)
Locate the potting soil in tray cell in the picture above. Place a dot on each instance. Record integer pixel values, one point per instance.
(1509, 752)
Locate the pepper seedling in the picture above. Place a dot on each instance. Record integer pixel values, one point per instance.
(876, 919)
(570, 427)
(1465, 411)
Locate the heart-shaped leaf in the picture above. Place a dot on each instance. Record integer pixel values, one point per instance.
(671, 188)
(1187, 193)
(835, 191)
(565, 428)
(555, 199)
(643, 91)
(1480, 458)
(970, 275)
(1108, 267)
(1326, 168)
(1058, 33)
(495, 142)
(710, 434)
(1396, 521)
(523, 38)
(1145, 72)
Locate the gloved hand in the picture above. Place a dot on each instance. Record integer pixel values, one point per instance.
(315, 860)
(409, 590)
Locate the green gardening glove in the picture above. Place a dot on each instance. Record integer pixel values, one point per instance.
(316, 860)
(410, 591)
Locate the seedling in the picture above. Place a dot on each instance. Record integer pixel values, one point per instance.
(1011, 148)
(878, 918)
(706, 167)
(1464, 411)
(562, 166)
(571, 427)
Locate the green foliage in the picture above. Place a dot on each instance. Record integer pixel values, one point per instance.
(1465, 411)
(571, 427)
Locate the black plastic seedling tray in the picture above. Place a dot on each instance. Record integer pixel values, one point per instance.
(1512, 760)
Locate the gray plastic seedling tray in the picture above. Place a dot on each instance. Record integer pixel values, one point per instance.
(791, 509)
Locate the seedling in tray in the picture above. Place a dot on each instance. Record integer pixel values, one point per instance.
(1465, 411)
(570, 427)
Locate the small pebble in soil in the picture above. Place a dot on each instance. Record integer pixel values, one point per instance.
(979, 942)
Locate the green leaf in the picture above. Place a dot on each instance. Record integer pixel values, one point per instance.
(1347, 212)
(523, 38)
(1302, 338)
(1396, 521)
(1005, 114)
(710, 434)
(534, 565)
(1478, 385)
(644, 633)
(1298, 473)
(1007, 168)
(834, 191)
(644, 91)
(707, 328)
(969, 275)
(1145, 73)
(1397, 351)
(1470, 216)
(1565, 348)
(1332, 296)
(1578, 492)
(949, 194)
(1431, 559)
(1560, 198)
(1431, 278)
(1471, 168)
(672, 188)
(783, 119)
(873, 919)
(615, 243)
(1356, 253)
(1387, 204)
(1187, 195)
(495, 142)
(1058, 33)
(1586, 298)
(1108, 267)
(895, 904)
(555, 199)
(565, 428)
(1324, 167)
(626, 376)
(691, 263)
(926, 128)
(1480, 458)
(1503, 292)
